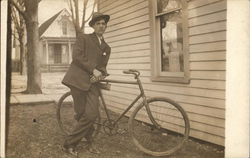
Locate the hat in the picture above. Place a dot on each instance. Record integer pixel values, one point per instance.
(98, 16)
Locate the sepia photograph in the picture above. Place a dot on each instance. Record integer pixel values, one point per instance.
(125, 78)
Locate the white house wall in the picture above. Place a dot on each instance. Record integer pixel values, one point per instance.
(203, 98)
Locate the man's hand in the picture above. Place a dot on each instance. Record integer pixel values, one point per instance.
(97, 75)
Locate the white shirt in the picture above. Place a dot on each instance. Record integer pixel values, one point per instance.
(99, 39)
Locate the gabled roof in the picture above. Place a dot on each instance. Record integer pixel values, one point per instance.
(43, 27)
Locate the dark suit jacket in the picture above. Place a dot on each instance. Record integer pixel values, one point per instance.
(87, 55)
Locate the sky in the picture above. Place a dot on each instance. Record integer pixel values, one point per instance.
(48, 8)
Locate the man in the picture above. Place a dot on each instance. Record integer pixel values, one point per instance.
(90, 57)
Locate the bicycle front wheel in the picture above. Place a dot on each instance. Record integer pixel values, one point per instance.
(160, 127)
(65, 115)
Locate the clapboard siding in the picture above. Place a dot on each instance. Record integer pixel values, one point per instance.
(132, 47)
(119, 6)
(205, 118)
(132, 21)
(124, 66)
(128, 35)
(130, 41)
(130, 38)
(195, 4)
(135, 8)
(208, 56)
(207, 19)
(216, 85)
(203, 105)
(105, 6)
(207, 9)
(145, 77)
(206, 47)
(129, 29)
(208, 28)
(212, 65)
(131, 60)
(196, 133)
(207, 38)
(194, 123)
(208, 75)
(131, 54)
(187, 91)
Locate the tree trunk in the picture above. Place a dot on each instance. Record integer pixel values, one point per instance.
(33, 61)
(23, 57)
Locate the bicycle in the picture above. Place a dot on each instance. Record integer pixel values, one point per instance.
(162, 133)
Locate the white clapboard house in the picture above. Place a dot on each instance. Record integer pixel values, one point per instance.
(57, 36)
(179, 46)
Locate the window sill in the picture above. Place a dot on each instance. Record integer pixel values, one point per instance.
(184, 80)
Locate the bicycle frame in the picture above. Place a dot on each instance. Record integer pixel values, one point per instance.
(141, 95)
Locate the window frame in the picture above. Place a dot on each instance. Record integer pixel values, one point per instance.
(158, 75)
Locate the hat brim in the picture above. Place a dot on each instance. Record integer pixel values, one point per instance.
(105, 17)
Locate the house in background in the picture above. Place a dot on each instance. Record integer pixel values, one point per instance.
(57, 36)
(179, 46)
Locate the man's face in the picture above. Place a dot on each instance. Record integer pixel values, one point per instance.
(99, 27)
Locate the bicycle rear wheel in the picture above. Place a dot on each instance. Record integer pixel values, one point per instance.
(65, 115)
(161, 129)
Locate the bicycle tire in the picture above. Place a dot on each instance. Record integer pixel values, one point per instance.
(159, 136)
(65, 115)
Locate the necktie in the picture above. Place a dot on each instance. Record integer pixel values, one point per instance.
(102, 40)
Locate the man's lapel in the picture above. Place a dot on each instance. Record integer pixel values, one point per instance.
(95, 39)
(102, 46)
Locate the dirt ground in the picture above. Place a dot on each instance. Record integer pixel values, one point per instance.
(34, 133)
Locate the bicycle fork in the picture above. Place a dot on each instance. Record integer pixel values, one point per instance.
(145, 103)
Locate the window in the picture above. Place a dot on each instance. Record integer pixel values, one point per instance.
(64, 27)
(170, 46)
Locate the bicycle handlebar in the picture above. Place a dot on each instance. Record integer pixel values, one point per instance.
(136, 73)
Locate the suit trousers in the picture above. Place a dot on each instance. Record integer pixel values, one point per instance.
(86, 104)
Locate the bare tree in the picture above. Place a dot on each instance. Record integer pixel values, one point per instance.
(75, 13)
(19, 26)
(30, 15)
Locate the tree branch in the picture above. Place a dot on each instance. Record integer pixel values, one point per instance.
(18, 8)
(85, 2)
(14, 35)
(71, 9)
(77, 12)
(73, 14)
(93, 9)
(14, 16)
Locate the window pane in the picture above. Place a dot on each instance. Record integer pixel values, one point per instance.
(166, 5)
(171, 43)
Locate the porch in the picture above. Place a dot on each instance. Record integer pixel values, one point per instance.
(56, 54)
